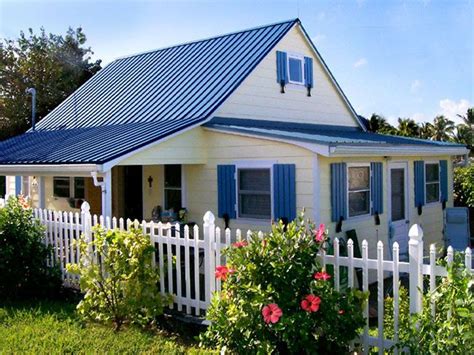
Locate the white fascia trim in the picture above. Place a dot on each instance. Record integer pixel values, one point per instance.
(50, 169)
(315, 148)
(110, 164)
(342, 151)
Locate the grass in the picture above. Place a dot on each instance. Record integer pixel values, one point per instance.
(52, 327)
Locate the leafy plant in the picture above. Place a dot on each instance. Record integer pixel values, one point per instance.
(464, 186)
(276, 299)
(118, 279)
(23, 269)
(451, 330)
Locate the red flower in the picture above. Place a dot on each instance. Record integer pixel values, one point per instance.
(319, 234)
(322, 276)
(271, 313)
(341, 311)
(240, 244)
(311, 303)
(222, 271)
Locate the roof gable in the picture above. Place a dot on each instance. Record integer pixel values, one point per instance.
(184, 82)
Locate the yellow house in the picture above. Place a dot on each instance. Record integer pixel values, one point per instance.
(250, 125)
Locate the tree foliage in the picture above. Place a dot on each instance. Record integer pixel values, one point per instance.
(54, 65)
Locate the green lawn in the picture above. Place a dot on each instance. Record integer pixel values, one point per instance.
(52, 327)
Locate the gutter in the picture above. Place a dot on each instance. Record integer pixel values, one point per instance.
(50, 169)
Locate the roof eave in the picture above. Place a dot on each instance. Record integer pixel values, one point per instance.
(50, 169)
(394, 150)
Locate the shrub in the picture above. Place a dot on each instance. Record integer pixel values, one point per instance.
(276, 298)
(23, 269)
(118, 279)
(451, 330)
(464, 186)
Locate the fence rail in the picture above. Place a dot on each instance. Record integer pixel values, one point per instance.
(187, 258)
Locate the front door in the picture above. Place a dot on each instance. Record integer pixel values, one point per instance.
(133, 192)
(398, 206)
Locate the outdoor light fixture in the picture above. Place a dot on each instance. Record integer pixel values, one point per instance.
(34, 182)
(150, 181)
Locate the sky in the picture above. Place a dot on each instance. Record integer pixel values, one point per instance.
(396, 58)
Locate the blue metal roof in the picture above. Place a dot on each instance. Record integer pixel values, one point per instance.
(139, 99)
(316, 133)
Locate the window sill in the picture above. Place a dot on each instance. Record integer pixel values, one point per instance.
(254, 221)
(295, 86)
(356, 219)
(433, 204)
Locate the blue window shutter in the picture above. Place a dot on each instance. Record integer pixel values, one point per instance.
(338, 191)
(376, 192)
(18, 185)
(226, 190)
(443, 166)
(282, 72)
(284, 191)
(419, 167)
(308, 72)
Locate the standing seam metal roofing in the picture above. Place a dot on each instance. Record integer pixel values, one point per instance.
(137, 100)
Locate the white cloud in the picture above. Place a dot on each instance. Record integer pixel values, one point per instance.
(361, 62)
(419, 117)
(451, 108)
(319, 38)
(415, 86)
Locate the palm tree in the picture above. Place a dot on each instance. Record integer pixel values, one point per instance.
(426, 130)
(443, 128)
(464, 135)
(407, 127)
(378, 123)
(468, 120)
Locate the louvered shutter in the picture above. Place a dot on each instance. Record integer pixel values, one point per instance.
(284, 191)
(282, 72)
(443, 166)
(308, 72)
(338, 191)
(226, 190)
(419, 168)
(376, 191)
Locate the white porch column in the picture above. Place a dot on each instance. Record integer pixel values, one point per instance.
(107, 195)
(41, 192)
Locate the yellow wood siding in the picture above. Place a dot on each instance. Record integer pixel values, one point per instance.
(259, 95)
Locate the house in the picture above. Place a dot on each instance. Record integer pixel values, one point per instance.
(251, 125)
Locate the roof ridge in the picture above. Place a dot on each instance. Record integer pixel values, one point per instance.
(294, 20)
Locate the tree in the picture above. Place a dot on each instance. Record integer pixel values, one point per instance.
(378, 123)
(465, 131)
(426, 130)
(468, 120)
(407, 128)
(53, 64)
(443, 128)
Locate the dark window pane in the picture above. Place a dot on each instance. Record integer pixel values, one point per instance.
(61, 186)
(173, 175)
(296, 73)
(398, 194)
(255, 206)
(254, 179)
(432, 172)
(432, 192)
(358, 203)
(3, 187)
(359, 178)
(173, 199)
(79, 191)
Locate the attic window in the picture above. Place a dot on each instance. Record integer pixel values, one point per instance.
(296, 69)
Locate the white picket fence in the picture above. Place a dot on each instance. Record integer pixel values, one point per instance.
(187, 258)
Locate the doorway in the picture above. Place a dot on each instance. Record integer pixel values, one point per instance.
(398, 205)
(133, 192)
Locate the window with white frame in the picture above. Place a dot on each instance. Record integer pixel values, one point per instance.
(173, 187)
(70, 187)
(295, 69)
(432, 182)
(254, 193)
(358, 190)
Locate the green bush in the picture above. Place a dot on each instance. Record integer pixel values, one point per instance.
(451, 330)
(276, 299)
(23, 269)
(123, 286)
(464, 186)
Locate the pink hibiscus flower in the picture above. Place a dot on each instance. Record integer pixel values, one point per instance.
(341, 311)
(240, 244)
(319, 234)
(322, 276)
(311, 303)
(222, 271)
(271, 313)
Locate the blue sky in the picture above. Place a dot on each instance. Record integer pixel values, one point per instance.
(397, 58)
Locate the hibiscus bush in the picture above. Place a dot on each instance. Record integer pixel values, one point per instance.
(276, 298)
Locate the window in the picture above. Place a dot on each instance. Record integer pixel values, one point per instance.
(254, 196)
(295, 69)
(25, 185)
(359, 190)
(173, 188)
(432, 182)
(65, 186)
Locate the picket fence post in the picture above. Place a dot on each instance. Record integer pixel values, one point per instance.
(209, 230)
(86, 221)
(415, 250)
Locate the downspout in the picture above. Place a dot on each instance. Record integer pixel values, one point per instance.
(32, 91)
(100, 184)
